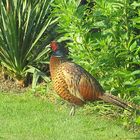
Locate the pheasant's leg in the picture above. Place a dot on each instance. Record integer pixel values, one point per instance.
(72, 111)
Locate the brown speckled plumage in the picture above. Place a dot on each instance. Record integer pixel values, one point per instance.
(75, 84)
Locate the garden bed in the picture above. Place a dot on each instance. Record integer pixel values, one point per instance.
(9, 85)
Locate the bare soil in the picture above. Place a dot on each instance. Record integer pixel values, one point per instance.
(9, 85)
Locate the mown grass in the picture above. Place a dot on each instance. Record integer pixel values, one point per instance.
(26, 117)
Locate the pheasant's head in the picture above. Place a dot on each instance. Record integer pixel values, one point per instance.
(54, 46)
(57, 50)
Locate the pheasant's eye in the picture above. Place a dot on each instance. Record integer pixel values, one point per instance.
(54, 46)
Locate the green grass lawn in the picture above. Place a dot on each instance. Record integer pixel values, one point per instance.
(25, 117)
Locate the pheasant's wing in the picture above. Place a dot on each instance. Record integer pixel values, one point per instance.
(72, 75)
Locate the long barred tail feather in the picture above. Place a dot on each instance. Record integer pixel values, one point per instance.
(117, 101)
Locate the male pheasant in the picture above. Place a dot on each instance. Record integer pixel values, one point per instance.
(75, 84)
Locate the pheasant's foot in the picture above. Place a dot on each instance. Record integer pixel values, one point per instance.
(72, 111)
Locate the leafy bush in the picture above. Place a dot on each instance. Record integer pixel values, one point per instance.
(23, 24)
(104, 39)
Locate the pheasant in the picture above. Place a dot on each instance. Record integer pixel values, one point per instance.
(74, 84)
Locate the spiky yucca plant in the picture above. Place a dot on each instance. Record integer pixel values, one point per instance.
(22, 26)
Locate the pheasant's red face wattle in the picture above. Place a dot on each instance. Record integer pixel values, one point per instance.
(54, 46)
